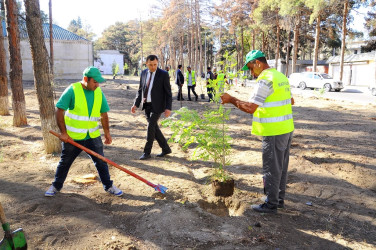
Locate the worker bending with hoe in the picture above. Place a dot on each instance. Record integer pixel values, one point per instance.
(79, 109)
(272, 119)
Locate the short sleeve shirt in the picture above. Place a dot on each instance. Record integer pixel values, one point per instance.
(264, 88)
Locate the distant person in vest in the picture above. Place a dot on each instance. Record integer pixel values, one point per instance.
(179, 82)
(272, 119)
(209, 80)
(221, 81)
(191, 83)
(79, 109)
(154, 96)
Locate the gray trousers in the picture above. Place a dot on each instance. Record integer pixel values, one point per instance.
(275, 159)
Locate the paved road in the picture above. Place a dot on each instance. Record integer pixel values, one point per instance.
(360, 95)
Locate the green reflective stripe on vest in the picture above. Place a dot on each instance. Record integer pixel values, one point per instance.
(193, 77)
(274, 117)
(77, 120)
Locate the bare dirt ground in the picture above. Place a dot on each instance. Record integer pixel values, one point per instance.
(331, 193)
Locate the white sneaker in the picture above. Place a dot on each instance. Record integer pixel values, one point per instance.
(51, 191)
(115, 191)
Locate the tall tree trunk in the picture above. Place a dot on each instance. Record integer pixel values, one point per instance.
(296, 43)
(277, 47)
(199, 48)
(317, 40)
(142, 47)
(4, 102)
(51, 42)
(197, 59)
(15, 75)
(181, 49)
(288, 53)
(189, 37)
(242, 45)
(253, 39)
(173, 53)
(263, 42)
(193, 61)
(220, 35)
(344, 31)
(237, 48)
(41, 75)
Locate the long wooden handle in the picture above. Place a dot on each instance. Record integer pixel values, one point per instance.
(89, 151)
(3, 219)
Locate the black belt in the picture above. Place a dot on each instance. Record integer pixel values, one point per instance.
(147, 103)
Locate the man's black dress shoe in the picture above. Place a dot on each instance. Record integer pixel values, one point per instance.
(164, 153)
(145, 156)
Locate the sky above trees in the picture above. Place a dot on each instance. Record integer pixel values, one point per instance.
(98, 14)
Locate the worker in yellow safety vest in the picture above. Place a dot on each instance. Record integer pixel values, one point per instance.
(191, 83)
(79, 109)
(221, 80)
(272, 119)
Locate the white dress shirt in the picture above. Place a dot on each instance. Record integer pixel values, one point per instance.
(150, 74)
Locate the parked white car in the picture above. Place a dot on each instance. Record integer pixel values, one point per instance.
(373, 89)
(315, 80)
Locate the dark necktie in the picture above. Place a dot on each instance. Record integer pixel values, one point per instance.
(147, 87)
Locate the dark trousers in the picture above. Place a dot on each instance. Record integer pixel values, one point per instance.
(275, 161)
(69, 153)
(210, 93)
(180, 92)
(153, 131)
(193, 91)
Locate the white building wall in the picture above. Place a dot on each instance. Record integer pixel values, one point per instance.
(356, 74)
(70, 58)
(107, 58)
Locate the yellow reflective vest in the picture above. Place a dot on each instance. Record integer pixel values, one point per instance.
(274, 117)
(77, 121)
(221, 79)
(193, 77)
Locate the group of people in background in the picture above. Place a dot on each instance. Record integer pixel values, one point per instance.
(190, 78)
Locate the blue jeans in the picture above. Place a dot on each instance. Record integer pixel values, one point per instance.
(69, 153)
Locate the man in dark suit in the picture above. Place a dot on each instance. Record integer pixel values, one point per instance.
(154, 96)
(179, 81)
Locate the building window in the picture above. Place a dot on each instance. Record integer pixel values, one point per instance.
(355, 52)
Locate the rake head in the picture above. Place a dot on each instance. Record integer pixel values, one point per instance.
(160, 188)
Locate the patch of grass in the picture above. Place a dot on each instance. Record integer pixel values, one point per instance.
(319, 92)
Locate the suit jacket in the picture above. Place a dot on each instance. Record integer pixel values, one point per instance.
(179, 77)
(161, 97)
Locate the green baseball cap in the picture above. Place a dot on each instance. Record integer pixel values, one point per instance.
(94, 73)
(252, 55)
